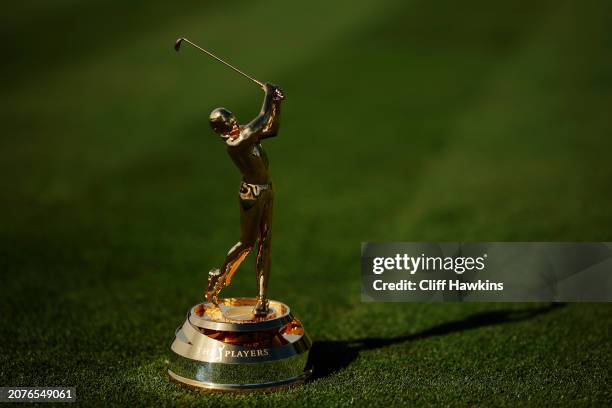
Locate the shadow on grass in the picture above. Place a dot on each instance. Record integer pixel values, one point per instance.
(327, 357)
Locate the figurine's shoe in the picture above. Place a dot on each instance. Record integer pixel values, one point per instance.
(261, 308)
(213, 279)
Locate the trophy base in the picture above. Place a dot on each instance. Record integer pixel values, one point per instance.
(227, 348)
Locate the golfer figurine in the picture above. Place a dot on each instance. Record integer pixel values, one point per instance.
(256, 193)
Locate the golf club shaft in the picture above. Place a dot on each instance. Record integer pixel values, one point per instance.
(178, 45)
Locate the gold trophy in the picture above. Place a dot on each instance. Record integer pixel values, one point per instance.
(239, 344)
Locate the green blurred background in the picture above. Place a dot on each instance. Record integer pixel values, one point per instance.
(404, 121)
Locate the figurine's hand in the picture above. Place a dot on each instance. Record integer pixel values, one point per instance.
(279, 94)
(276, 92)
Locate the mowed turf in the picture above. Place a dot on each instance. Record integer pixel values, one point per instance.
(404, 121)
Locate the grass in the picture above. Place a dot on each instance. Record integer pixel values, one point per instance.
(404, 121)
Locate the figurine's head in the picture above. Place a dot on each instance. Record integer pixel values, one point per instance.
(222, 121)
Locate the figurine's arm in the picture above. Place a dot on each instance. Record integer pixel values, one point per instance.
(266, 124)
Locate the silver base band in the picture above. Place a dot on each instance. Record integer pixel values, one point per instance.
(262, 387)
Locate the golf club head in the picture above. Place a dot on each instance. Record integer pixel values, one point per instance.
(177, 44)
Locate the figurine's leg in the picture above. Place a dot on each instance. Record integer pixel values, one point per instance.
(264, 260)
(235, 257)
(250, 215)
(218, 279)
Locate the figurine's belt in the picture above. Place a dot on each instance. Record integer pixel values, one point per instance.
(252, 191)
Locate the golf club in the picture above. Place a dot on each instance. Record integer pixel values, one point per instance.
(177, 47)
